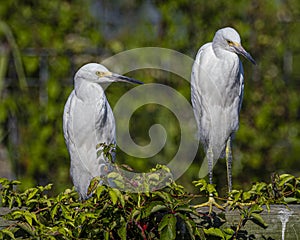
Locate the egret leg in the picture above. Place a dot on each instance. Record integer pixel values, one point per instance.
(211, 201)
(229, 164)
(210, 160)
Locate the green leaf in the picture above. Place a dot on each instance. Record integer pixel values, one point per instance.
(167, 227)
(11, 201)
(26, 227)
(19, 201)
(32, 194)
(256, 218)
(113, 196)
(28, 218)
(246, 196)
(93, 185)
(229, 233)
(290, 200)
(284, 178)
(122, 230)
(134, 213)
(157, 208)
(153, 207)
(8, 233)
(15, 182)
(54, 211)
(65, 212)
(186, 209)
(214, 232)
(256, 209)
(164, 196)
(17, 214)
(99, 190)
(119, 195)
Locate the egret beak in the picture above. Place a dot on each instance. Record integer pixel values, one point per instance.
(122, 78)
(240, 50)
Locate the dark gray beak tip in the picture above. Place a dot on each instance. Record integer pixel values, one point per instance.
(128, 79)
(240, 50)
(249, 57)
(253, 61)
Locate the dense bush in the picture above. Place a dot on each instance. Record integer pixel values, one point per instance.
(162, 214)
(36, 72)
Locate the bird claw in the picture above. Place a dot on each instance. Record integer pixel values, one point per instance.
(210, 203)
(231, 203)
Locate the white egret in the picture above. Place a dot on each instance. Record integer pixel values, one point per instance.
(87, 121)
(217, 86)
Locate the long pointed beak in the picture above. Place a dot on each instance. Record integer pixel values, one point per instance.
(240, 50)
(122, 78)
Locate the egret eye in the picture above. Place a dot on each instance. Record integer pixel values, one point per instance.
(100, 74)
(229, 42)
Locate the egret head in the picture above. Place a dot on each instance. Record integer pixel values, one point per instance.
(97, 73)
(229, 39)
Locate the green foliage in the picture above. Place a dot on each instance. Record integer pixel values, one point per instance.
(111, 214)
(268, 139)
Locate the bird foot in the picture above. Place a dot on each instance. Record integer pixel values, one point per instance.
(238, 204)
(210, 203)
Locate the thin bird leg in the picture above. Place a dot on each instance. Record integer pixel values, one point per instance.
(229, 164)
(211, 201)
(210, 160)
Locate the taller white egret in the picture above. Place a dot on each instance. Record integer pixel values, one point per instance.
(217, 86)
(87, 121)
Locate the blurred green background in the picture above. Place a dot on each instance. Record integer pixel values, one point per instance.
(43, 43)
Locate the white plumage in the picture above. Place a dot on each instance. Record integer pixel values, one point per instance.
(87, 121)
(217, 86)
